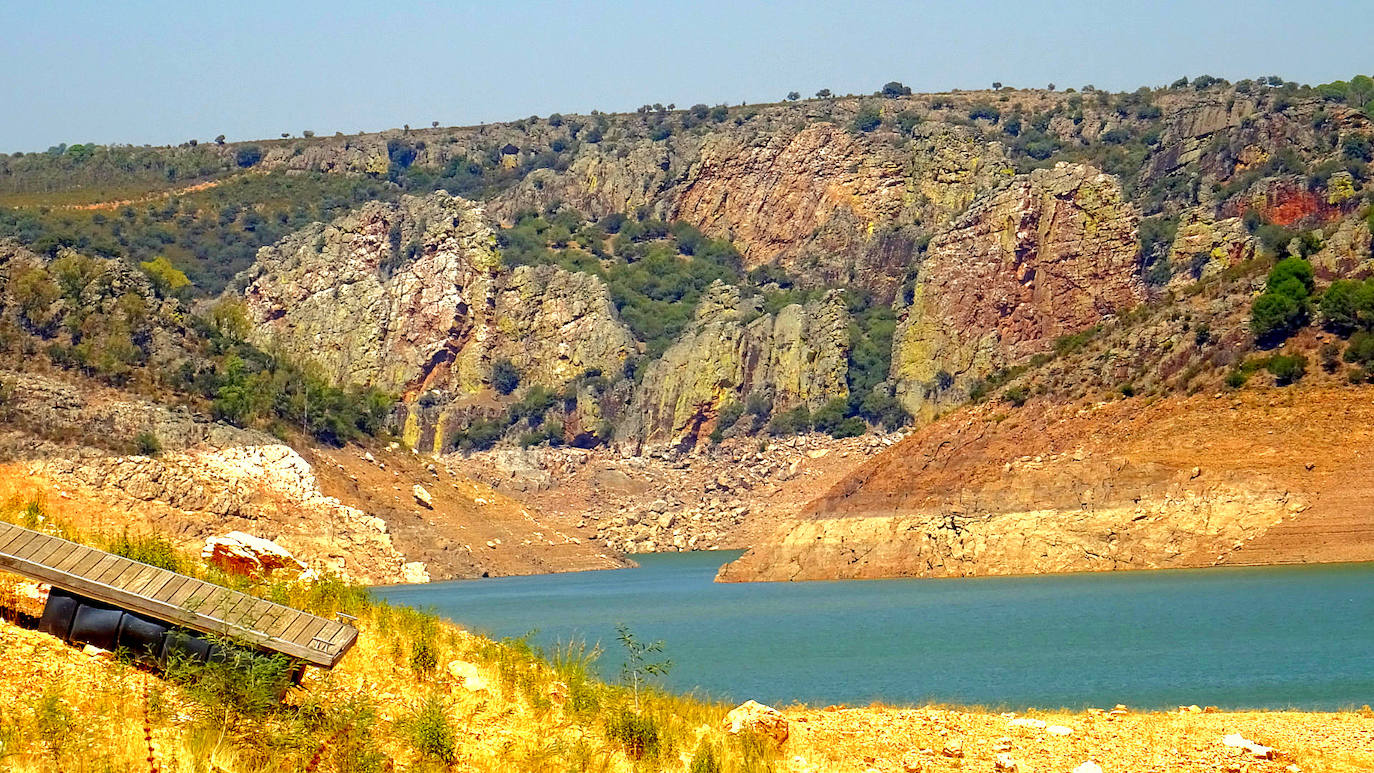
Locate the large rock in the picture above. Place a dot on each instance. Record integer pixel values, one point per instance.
(754, 717)
(242, 553)
(731, 350)
(412, 296)
(1051, 254)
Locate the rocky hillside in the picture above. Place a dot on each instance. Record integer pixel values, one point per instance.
(1263, 476)
(669, 281)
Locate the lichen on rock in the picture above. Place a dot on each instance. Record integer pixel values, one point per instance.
(1051, 254)
(732, 350)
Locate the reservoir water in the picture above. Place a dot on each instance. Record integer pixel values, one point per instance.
(1273, 637)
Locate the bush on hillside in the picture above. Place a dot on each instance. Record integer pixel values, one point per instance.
(1287, 368)
(868, 119)
(504, 376)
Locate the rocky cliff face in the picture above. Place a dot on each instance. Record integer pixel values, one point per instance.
(825, 203)
(732, 350)
(413, 298)
(1090, 487)
(1051, 254)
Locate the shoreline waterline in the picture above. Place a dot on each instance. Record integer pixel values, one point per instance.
(1279, 637)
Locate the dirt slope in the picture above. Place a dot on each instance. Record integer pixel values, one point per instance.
(1260, 476)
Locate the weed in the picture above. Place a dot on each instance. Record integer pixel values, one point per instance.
(430, 730)
(638, 665)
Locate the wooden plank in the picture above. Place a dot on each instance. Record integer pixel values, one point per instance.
(34, 545)
(161, 581)
(77, 558)
(170, 588)
(146, 574)
(15, 545)
(100, 567)
(284, 618)
(127, 570)
(11, 534)
(298, 625)
(48, 553)
(112, 570)
(312, 629)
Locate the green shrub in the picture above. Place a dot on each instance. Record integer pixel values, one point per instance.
(730, 413)
(504, 376)
(478, 435)
(248, 155)
(423, 659)
(430, 730)
(638, 734)
(152, 549)
(1236, 379)
(704, 759)
(1360, 350)
(1284, 306)
(1016, 395)
(1330, 354)
(791, 422)
(1348, 305)
(1287, 368)
(868, 118)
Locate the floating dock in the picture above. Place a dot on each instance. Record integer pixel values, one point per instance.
(173, 598)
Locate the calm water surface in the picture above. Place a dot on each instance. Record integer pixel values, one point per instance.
(1274, 637)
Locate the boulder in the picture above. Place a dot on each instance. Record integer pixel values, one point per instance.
(1088, 767)
(754, 717)
(422, 496)
(1003, 762)
(242, 553)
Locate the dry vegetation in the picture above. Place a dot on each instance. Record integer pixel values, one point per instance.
(421, 694)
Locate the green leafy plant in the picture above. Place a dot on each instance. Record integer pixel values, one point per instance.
(639, 660)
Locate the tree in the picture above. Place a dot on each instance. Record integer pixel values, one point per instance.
(248, 155)
(793, 96)
(823, 94)
(284, 135)
(166, 278)
(219, 139)
(997, 85)
(308, 133)
(638, 666)
(434, 124)
(1285, 305)
(1050, 87)
(893, 89)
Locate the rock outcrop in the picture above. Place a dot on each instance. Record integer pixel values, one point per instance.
(249, 485)
(829, 205)
(1205, 246)
(1049, 255)
(1093, 487)
(732, 350)
(413, 296)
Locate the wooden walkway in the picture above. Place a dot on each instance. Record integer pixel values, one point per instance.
(173, 598)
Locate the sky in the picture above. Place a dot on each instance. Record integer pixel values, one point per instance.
(163, 72)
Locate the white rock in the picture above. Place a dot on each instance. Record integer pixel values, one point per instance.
(1027, 722)
(1088, 767)
(422, 496)
(1058, 730)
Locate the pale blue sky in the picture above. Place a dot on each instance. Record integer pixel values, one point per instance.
(164, 72)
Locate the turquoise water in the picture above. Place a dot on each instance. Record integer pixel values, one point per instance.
(1274, 637)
